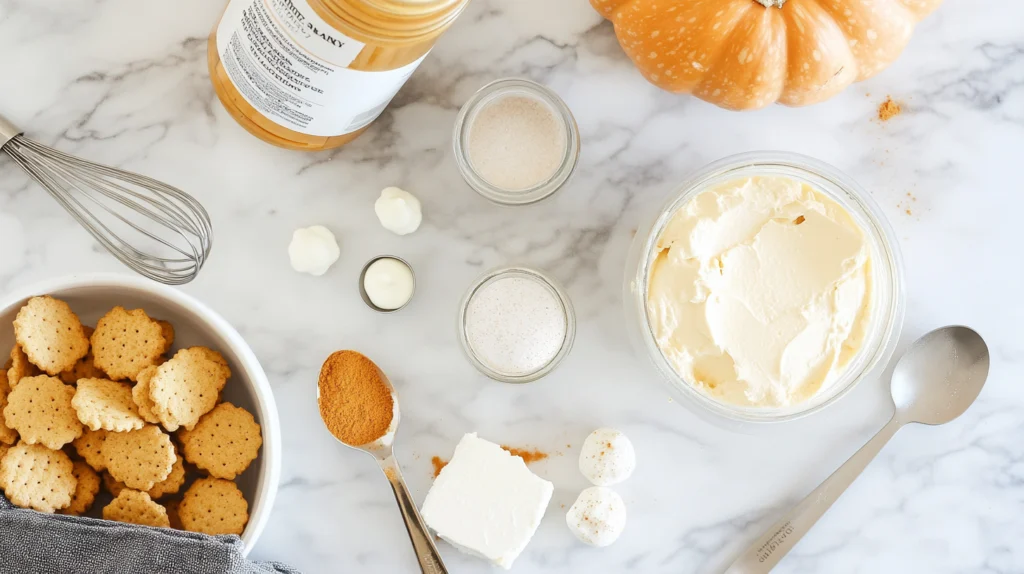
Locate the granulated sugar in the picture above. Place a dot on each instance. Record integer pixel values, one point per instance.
(516, 143)
(515, 326)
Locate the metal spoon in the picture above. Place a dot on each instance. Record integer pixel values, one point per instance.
(934, 382)
(383, 452)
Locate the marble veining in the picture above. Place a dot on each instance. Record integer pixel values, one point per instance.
(125, 82)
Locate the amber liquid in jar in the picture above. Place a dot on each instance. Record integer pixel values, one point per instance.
(314, 74)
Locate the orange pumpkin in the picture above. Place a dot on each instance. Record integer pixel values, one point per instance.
(746, 54)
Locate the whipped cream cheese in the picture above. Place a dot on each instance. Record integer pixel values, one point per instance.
(760, 292)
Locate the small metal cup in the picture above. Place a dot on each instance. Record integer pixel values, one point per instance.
(362, 287)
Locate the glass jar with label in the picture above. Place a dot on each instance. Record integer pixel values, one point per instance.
(314, 74)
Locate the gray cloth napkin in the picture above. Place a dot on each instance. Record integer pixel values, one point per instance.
(36, 543)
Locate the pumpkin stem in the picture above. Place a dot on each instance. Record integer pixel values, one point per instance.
(770, 3)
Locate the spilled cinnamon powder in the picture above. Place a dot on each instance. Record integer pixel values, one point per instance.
(528, 456)
(438, 465)
(906, 203)
(889, 109)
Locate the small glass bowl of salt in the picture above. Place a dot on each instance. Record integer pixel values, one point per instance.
(516, 142)
(516, 324)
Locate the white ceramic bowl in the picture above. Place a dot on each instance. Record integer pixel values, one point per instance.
(92, 295)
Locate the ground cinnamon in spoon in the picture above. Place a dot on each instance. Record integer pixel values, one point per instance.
(355, 400)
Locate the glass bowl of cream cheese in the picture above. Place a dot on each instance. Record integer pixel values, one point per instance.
(766, 288)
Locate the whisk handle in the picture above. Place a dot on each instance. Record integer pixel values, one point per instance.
(8, 131)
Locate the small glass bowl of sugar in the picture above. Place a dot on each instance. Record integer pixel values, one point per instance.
(516, 142)
(516, 324)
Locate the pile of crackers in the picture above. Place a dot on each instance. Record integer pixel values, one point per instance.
(81, 407)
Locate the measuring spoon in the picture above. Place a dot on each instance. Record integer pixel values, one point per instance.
(382, 450)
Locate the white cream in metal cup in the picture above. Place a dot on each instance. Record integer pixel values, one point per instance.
(362, 285)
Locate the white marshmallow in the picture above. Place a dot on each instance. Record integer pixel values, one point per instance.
(607, 457)
(597, 517)
(313, 250)
(398, 211)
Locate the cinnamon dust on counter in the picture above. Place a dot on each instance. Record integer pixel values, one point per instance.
(889, 109)
(354, 398)
(906, 203)
(528, 456)
(439, 465)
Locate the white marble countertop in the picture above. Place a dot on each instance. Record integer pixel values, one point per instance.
(125, 82)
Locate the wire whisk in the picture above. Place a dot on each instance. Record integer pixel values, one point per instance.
(155, 229)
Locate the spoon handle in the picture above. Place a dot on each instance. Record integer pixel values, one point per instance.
(769, 549)
(422, 541)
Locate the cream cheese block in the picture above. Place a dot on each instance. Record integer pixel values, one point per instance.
(486, 502)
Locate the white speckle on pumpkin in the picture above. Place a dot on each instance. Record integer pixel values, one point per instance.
(716, 92)
(872, 35)
(697, 66)
(693, 19)
(816, 55)
(743, 55)
(652, 55)
(655, 33)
